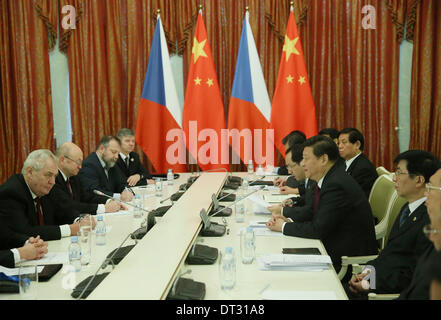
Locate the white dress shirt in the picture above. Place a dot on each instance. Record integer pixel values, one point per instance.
(349, 162)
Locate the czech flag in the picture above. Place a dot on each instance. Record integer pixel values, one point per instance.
(250, 106)
(159, 112)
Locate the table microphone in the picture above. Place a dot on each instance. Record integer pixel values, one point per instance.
(104, 265)
(249, 183)
(233, 203)
(149, 221)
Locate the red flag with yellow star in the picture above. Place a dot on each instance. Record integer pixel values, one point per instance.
(203, 114)
(293, 106)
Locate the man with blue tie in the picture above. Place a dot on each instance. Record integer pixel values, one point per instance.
(397, 261)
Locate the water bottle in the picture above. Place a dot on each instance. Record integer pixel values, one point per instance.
(240, 209)
(170, 177)
(158, 187)
(248, 246)
(100, 231)
(228, 270)
(75, 254)
(137, 213)
(245, 184)
(250, 167)
(260, 171)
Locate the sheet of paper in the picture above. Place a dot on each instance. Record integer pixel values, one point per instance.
(277, 198)
(298, 295)
(258, 200)
(258, 223)
(266, 232)
(15, 271)
(49, 258)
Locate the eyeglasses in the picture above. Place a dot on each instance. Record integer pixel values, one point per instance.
(399, 172)
(74, 161)
(429, 186)
(428, 230)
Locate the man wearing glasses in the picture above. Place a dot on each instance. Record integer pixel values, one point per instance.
(419, 288)
(68, 191)
(396, 263)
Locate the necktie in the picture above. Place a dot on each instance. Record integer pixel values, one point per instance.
(39, 212)
(316, 197)
(69, 188)
(127, 162)
(404, 214)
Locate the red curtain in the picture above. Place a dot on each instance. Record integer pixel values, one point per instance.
(353, 72)
(26, 121)
(425, 108)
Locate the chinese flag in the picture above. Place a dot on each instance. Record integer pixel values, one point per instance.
(203, 114)
(293, 107)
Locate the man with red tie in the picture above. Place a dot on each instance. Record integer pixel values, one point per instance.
(24, 205)
(68, 191)
(342, 217)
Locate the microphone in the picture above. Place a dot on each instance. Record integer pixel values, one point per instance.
(249, 183)
(233, 203)
(104, 265)
(100, 193)
(148, 222)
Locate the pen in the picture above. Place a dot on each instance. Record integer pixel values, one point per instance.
(264, 288)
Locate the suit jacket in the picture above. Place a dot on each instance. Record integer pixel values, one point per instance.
(9, 240)
(343, 222)
(93, 176)
(83, 201)
(17, 210)
(364, 172)
(419, 287)
(304, 211)
(135, 167)
(292, 182)
(397, 261)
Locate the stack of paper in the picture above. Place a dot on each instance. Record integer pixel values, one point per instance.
(296, 262)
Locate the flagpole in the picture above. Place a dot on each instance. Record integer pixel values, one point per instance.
(200, 8)
(292, 6)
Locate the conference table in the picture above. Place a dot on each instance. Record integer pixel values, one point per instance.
(150, 269)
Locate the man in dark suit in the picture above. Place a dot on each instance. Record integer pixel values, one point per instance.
(15, 247)
(342, 219)
(68, 191)
(419, 287)
(294, 137)
(98, 170)
(301, 205)
(134, 173)
(397, 261)
(351, 146)
(24, 205)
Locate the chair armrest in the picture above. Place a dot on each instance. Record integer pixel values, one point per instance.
(357, 260)
(375, 296)
(346, 261)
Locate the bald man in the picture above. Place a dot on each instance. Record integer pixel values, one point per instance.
(68, 191)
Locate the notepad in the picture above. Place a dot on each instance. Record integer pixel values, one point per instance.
(294, 262)
(277, 198)
(15, 271)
